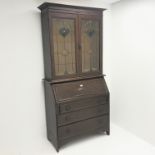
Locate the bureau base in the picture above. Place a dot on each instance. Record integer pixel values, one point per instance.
(66, 142)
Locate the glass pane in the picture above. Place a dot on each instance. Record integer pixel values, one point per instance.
(90, 45)
(64, 46)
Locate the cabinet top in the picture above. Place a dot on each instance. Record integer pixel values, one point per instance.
(56, 5)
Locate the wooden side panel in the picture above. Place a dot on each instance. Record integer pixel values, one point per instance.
(46, 44)
(51, 120)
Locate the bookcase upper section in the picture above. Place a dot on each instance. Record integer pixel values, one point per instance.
(72, 41)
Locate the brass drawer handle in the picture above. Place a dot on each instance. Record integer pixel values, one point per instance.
(67, 107)
(67, 118)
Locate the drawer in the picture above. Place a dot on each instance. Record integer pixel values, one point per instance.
(83, 126)
(83, 114)
(71, 90)
(81, 104)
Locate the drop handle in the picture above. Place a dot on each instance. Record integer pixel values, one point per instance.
(67, 118)
(79, 47)
(67, 107)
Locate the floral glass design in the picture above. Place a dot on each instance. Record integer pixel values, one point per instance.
(64, 46)
(90, 45)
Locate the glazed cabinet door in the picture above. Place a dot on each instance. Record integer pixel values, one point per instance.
(63, 40)
(90, 42)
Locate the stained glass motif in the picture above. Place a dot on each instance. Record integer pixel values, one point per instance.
(64, 46)
(90, 45)
(64, 31)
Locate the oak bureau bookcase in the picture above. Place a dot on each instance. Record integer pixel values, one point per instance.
(76, 94)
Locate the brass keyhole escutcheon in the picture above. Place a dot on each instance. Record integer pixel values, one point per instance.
(81, 87)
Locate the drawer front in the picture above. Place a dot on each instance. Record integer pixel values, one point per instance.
(82, 114)
(81, 104)
(83, 126)
(71, 90)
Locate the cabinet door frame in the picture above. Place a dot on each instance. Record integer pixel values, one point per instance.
(99, 19)
(53, 15)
